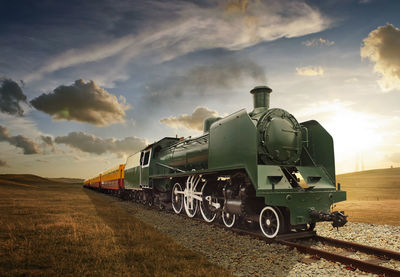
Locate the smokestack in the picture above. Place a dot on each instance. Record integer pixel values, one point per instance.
(261, 98)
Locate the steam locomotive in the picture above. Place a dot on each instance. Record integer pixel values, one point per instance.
(262, 167)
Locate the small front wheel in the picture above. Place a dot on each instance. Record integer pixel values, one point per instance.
(271, 221)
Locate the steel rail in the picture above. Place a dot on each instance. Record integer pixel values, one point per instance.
(362, 265)
(383, 253)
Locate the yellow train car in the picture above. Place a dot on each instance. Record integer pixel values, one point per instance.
(113, 178)
(95, 182)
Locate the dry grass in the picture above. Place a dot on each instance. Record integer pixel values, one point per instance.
(52, 229)
(373, 196)
(373, 212)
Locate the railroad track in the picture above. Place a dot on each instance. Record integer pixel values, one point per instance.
(293, 240)
(364, 265)
(352, 263)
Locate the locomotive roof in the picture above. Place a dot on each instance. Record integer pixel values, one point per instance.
(162, 141)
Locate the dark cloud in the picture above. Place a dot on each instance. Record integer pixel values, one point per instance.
(3, 163)
(382, 47)
(224, 74)
(47, 140)
(194, 121)
(84, 102)
(10, 97)
(26, 144)
(92, 144)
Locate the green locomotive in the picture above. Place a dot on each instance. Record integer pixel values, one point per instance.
(261, 166)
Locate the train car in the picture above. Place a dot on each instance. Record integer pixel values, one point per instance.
(95, 182)
(263, 167)
(88, 183)
(112, 180)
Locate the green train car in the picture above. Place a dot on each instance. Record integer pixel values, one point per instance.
(263, 166)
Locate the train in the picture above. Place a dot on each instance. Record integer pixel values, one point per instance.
(262, 168)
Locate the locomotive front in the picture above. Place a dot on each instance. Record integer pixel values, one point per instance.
(295, 168)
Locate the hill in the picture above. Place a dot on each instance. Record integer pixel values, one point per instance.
(377, 184)
(67, 180)
(30, 180)
(373, 196)
(25, 180)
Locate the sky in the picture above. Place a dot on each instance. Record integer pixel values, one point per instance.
(84, 84)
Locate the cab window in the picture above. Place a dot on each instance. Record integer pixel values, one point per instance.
(146, 158)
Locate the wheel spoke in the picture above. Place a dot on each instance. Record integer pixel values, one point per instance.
(190, 203)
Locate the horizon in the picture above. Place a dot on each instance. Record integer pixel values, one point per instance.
(63, 177)
(84, 85)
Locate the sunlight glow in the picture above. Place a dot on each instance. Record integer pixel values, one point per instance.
(356, 135)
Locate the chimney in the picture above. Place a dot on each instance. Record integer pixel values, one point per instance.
(260, 98)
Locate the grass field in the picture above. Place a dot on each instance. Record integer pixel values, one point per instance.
(49, 228)
(373, 196)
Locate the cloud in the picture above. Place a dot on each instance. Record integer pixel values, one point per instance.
(91, 144)
(3, 163)
(310, 71)
(224, 74)
(352, 80)
(11, 96)
(47, 140)
(395, 158)
(193, 121)
(318, 42)
(84, 102)
(26, 144)
(41, 161)
(196, 27)
(78, 56)
(382, 47)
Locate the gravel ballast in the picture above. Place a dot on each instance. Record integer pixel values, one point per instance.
(246, 256)
(381, 236)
